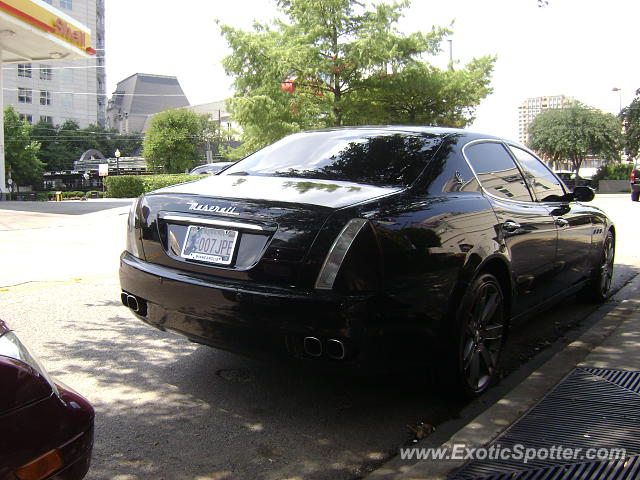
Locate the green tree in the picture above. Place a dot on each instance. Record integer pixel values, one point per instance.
(216, 138)
(171, 144)
(108, 141)
(53, 156)
(575, 132)
(21, 153)
(424, 95)
(73, 141)
(62, 145)
(339, 62)
(630, 117)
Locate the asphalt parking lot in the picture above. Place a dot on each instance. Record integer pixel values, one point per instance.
(174, 410)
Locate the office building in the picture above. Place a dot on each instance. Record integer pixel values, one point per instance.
(531, 107)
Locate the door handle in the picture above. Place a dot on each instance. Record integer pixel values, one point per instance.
(561, 222)
(510, 226)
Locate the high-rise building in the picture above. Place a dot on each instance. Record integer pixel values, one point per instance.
(63, 90)
(531, 107)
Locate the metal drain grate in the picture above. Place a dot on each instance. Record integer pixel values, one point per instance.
(613, 470)
(628, 380)
(590, 409)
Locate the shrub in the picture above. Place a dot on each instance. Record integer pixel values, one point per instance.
(154, 182)
(614, 171)
(73, 194)
(123, 186)
(130, 186)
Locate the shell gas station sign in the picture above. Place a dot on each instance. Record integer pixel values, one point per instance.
(33, 30)
(37, 28)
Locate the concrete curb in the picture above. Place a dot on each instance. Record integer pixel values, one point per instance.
(506, 410)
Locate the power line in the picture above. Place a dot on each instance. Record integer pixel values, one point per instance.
(87, 135)
(46, 67)
(7, 89)
(13, 66)
(79, 138)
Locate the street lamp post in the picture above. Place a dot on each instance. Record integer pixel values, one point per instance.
(117, 154)
(619, 90)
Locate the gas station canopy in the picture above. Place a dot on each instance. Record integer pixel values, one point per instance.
(33, 30)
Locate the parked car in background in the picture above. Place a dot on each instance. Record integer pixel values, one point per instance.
(208, 168)
(569, 179)
(635, 183)
(46, 429)
(367, 248)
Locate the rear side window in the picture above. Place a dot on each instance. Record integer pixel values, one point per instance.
(497, 172)
(546, 186)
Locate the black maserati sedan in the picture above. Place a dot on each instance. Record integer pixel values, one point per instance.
(367, 248)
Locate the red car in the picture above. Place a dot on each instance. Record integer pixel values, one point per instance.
(46, 429)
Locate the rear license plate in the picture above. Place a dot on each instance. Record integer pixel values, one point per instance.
(212, 245)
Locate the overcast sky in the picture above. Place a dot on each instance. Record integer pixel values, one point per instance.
(580, 48)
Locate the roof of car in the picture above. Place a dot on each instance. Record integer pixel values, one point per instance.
(414, 129)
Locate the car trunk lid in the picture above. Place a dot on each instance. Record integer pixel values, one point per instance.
(263, 227)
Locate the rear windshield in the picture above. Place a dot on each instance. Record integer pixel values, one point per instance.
(381, 159)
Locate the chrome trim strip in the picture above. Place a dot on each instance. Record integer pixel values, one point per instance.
(211, 221)
(337, 253)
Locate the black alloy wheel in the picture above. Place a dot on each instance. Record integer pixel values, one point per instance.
(597, 289)
(606, 269)
(482, 328)
(635, 195)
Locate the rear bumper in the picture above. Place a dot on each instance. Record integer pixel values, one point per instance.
(259, 320)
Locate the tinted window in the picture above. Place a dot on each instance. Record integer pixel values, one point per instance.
(497, 171)
(456, 175)
(546, 186)
(376, 158)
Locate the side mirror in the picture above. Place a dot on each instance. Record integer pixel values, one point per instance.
(583, 193)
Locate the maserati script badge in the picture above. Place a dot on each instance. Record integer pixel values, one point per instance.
(212, 208)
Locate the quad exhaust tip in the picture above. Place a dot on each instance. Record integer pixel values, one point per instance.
(312, 346)
(132, 303)
(138, 305)
(335, 349)
(332, 348)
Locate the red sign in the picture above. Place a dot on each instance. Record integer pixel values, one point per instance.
(66, 31)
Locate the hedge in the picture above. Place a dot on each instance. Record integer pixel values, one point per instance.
(614, 171)
(130, 186)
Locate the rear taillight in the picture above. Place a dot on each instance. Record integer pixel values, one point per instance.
(633, 175)
(337, 252)
(133, 230)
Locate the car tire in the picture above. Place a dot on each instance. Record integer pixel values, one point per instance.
(599, 286)
(635, 195)
(478, 337)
